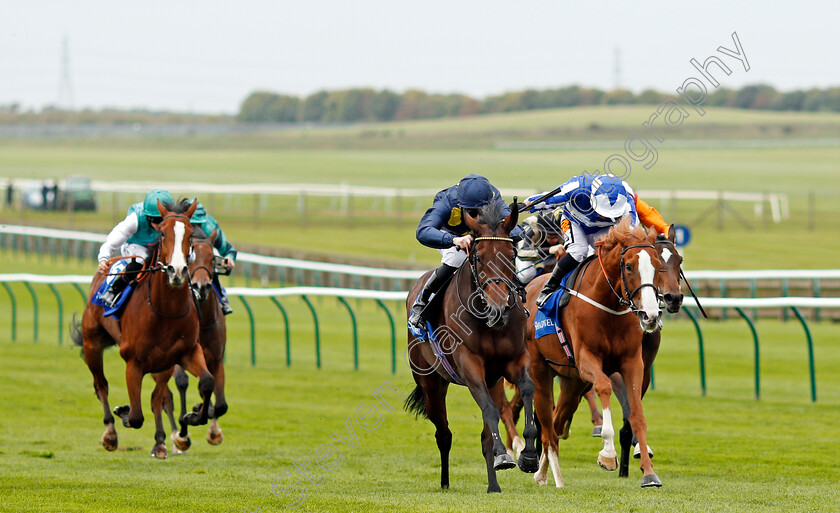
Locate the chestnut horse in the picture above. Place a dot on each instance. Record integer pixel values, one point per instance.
(159, 328)
(212, 337)
(604, 340)
(481, 329)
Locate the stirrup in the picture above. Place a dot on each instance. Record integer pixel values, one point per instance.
(545, 293)
(416, 317)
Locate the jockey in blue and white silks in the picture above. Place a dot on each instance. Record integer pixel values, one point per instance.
(443, 228)
(592, 204)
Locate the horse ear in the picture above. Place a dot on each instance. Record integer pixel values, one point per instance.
(672, 234)
(471, 222)
(212, 237)
(190, 211)
(512, 218)
(652, 234)
(162, 209)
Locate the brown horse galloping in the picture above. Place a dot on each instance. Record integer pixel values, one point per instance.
(159, 329)
(604, 340)
(481, 330)
(212, 337)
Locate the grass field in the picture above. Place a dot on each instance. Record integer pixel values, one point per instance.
(722, 452)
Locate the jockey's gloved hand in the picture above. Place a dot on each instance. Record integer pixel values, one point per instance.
(520, 206)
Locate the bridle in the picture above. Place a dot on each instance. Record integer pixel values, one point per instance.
(206, 269)
(627, 299)
(162, 267)
(682, 277)
(480, 286)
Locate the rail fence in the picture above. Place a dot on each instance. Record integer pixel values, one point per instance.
(739, 305)
(264, 270)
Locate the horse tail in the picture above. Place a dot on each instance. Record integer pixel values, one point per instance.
(76, 333)
(416, 403)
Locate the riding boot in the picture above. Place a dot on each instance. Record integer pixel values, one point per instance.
(438, 280)
(563, 267)
(224, 302)
(112, 295)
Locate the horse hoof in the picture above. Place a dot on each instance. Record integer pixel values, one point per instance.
(159, 452)
(214, 433)
(180, 444)
(122, 412)
(494, 489)
(608, 464)
(596, 431)
(651, 480)
(637, 452)
(529, 463)
(503, 462)
(109, 441)
(193, 419)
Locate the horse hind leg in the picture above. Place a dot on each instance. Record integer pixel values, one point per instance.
(528, 457)
(625, 436)
(132, 415)
(93, 358)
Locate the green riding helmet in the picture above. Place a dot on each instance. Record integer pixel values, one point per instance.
(150, 208)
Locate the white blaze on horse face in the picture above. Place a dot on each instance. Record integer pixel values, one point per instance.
(666, 254)
(650, 305)
(177, 261)
(608, 435)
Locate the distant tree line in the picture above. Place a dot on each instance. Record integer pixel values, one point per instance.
(353, 105)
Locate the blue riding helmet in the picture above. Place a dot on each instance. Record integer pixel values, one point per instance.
(609, 197)
(150, 208)
(474, 191)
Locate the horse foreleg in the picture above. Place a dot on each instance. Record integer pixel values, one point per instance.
(493, 449)
(590, 368)
(528, 457)
(132, 414)
(181, 438)
(514, 444)
(625, 437)
(214, 432)
(158, 398)
(195, 365)
(93, 358)
(633, 373)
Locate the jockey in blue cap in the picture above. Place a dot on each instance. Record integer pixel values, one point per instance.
(134, 235)
(591, 206)
(443, 228)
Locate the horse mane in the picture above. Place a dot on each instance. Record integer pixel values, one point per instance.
(620, 233)
(198, 233)
(180, 206)
(492, 214)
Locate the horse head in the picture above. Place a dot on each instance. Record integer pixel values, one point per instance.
(202, 268)
(630, 261)
(491, 262)
(175, 233)
(668, 277)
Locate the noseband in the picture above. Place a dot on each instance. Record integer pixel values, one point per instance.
(480, 286)
(627, 299)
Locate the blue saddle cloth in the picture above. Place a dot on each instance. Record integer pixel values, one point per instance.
(116, 311)
(428, 335)
(547, 320)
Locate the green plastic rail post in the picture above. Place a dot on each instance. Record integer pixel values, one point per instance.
(355, 332)
(253, 333)
(810, 353)
(14, 309)
(286, 324)
(755, 351)
(60, 310)
(393, 335)
(34, 310)
(317, 331)
(80, 291)
(700, 349)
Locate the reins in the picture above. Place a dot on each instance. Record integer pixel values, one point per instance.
(479, 286)
(627, 299)
(682, 276)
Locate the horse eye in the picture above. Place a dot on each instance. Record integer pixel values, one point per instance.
(628, 267)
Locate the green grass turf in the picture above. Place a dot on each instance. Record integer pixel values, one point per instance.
(722, 452)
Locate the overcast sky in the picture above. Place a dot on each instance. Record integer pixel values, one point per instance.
(207, 56)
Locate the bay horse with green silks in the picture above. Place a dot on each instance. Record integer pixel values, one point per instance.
(480, 330)
(158, 329)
